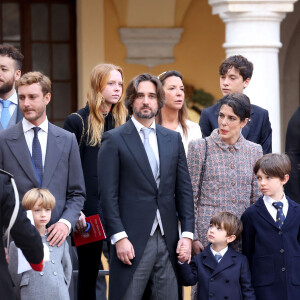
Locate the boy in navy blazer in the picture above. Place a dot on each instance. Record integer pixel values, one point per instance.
(271, 236)
(220, 271)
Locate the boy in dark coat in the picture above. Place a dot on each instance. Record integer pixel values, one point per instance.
(220, 271)
(271, 236)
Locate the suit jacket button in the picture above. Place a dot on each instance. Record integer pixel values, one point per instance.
(211, 295)
(54, 273)
(41, 273)
(281, 250)
(212, 279)
(280, 232)
(283, 269)
(53, 261)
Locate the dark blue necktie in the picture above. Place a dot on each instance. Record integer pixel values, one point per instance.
(37, 154)
(280, 216)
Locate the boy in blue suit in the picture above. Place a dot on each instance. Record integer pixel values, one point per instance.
(220, 271)
(271, 236)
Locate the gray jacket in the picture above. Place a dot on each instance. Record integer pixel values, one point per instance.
(52, 283)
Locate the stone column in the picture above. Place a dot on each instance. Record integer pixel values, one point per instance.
(253, 30)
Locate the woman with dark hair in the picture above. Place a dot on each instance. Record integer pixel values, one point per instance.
(227, 182)
(104, 110)
(174, 114)
(221, 168)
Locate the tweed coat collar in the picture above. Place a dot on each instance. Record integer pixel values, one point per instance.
(216, 138)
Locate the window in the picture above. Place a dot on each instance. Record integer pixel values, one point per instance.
(45, 32)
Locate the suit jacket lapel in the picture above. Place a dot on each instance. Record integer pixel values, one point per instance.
(165, 150)
(225, 262)
(55, 146)
(133, 141)
(263, 212)
(290, 214)
(18, 146)
(208, 259)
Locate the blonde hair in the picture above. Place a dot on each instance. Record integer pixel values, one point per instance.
(98, 79)
(33, 195)
(35, 77)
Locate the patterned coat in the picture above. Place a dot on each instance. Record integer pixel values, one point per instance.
(229, 183)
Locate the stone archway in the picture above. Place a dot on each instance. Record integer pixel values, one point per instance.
(289, 63)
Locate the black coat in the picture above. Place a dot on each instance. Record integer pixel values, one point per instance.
(228, 279)
(24, 234)
(88, 155)
(130, 197)
(258, 130)
(292, 149)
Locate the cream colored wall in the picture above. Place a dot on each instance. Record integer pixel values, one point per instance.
(198, 54)
(90, 42)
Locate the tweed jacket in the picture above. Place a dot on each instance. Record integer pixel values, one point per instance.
(50, 284)
(229, 183)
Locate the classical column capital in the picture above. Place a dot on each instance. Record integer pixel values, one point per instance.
(150, 46)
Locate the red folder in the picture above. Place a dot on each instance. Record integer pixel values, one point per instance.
(96, 232)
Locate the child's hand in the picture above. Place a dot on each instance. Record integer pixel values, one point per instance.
(182, 254)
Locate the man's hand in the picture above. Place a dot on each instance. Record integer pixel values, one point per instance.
(182, 254)
(197, 247)
(58, 233)
(187, 244)
(125, 251)
(81, 223)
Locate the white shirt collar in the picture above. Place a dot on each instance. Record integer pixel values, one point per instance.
(139, 126)
(27, 125)
(222, 252)
(13, 98)
(269, 200)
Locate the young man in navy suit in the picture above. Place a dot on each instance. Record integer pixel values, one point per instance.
(271, 236)
(235, 75)
(220, 271)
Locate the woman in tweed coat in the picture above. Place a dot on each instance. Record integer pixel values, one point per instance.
(229, 183)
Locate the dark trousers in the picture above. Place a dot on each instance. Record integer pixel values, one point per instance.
(89, 262)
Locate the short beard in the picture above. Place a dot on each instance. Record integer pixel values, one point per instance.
(6, 87)
(140, 115)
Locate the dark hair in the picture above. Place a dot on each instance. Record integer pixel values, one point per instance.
(274, 165)
(239, 103)
(240, 63)
(183, 112)
(14, 53)
(229, 222)
(131, 91)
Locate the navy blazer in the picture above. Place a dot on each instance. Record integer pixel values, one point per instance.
(228, 279)
(274, 254)
(258, 130)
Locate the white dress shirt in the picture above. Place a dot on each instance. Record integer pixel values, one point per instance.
(272, 210)
(14, 103)
(153, 143)
(43, 137)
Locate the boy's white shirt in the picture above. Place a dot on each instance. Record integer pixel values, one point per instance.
(272, 210)
(23, 264)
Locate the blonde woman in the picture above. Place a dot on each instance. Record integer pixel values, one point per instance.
(104, 111)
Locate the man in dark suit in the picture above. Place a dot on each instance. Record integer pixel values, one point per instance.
(10, 71)
(292, 149)
(144, 188)
(235, 75)
(40, 154)
(25, 235)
